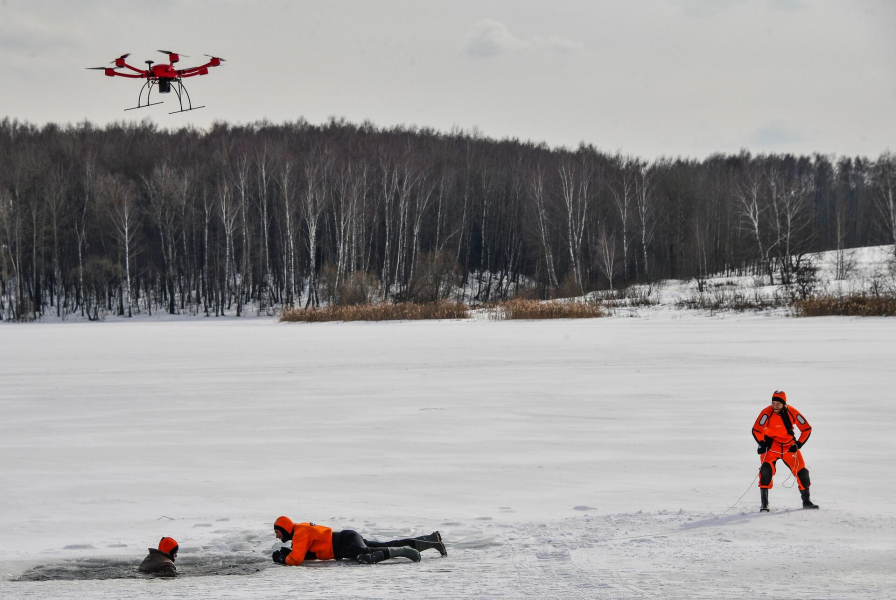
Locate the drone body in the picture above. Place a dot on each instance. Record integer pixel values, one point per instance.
(165, 76)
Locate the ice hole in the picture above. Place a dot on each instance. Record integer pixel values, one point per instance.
(84, 569)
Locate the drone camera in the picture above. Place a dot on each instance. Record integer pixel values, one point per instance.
(164, 86)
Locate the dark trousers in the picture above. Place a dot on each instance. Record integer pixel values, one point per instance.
(350, 544)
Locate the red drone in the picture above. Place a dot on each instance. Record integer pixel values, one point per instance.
(162, 75)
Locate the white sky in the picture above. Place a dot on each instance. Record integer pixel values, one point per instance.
(649, 77)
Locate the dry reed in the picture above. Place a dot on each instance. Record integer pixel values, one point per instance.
(552, 309)
(404, 311)
(855, 305)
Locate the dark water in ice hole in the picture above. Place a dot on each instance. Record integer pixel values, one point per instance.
(83, 569)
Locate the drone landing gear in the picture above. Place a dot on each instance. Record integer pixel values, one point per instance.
(165, 87)
(148, 87)
(143, 106)
(181, 91)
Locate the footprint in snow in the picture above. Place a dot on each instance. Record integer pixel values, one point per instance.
(583, 507)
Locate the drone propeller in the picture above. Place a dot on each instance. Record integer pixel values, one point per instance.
(122, 57)
(170, 52)
(100, 68)
(218, 57)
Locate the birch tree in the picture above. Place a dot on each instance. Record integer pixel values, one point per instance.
(646, 204)
(538, 194)
(125, 220)
(622, 189)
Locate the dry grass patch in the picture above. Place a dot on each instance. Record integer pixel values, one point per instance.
(734, 300)
(551, 309)
(404, 311)
(855, 305)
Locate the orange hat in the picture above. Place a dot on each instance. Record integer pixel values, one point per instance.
(780, 397)
(286, 526)
(168, 546)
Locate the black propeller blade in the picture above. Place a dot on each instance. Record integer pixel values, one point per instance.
(100, 68)
(170, 52)
(218, 57)
(122, 57)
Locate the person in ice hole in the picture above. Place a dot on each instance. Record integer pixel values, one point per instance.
(161, 561)
(316, 542)
(773, 431)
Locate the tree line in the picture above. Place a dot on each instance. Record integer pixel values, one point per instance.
(130, 219)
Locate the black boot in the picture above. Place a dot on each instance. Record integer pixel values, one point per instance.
(374, 557)
(402, 551)
(433, 540)
(763, 495)
(804, 494)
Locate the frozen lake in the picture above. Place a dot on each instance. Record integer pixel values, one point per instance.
(558, 458)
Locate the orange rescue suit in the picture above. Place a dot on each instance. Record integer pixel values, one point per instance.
(307, 537)
(771, 430)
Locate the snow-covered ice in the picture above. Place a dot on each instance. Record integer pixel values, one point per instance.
(578, 459)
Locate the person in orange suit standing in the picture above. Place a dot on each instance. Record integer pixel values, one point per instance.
(774, 432)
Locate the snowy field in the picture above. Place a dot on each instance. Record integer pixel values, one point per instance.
(573, 459)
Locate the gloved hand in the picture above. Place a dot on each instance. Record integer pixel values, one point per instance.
(762, 448)
(794, 447)
(279, 556)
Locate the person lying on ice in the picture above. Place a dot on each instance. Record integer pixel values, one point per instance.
(773, 431)
(161, 562)
(316, 542)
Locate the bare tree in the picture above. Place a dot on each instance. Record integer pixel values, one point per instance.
(263, 168)
(241, 183)
(790, 193)
(538, 193)
(748, 194)
(118, 196)
(228, 212)
(575, 187)
(286, 183)
(646, 203)
(161, 192)
(606, 254)
(884, 175)
(11, 221)
(623, 192)
(208, 209)
(56, 209)
(313, 204)
(82, 212)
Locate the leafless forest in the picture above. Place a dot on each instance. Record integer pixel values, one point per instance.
(130, 219)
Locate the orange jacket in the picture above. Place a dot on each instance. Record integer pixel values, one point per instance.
(769, 426)
(308, 537)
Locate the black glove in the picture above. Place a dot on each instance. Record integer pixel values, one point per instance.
(279, 556)
(762, 448)
(794, 447)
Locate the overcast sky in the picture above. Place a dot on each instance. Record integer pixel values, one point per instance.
(648, 77)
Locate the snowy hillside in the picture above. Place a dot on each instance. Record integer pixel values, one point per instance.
(605, 458)
(838, 273)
